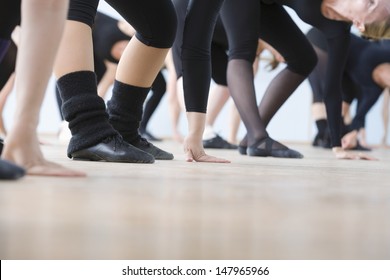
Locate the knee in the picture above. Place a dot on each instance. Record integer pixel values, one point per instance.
(381, 75)
(245, 50)
(163, 32)
(304, 63)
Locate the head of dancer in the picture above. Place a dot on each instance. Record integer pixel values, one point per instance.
(360, 12)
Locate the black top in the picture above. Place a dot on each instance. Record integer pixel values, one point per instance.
(337, 37)
(105, 34)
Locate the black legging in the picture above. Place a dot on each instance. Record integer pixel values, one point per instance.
(271, 23)
(144, 15)
(7, 65)
(201, 18)
(363, 57)
(243, 23)
(9, 18)
(219, 47)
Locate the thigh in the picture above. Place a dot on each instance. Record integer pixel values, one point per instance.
(154, 20)
(281, 32)
(241, 22)
(219, 62)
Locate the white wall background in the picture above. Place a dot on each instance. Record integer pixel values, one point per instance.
(292, 123)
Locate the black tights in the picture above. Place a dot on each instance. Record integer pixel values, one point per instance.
(277, 28)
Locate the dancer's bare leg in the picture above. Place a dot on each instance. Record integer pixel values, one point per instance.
(180, 97)
(175, 108)
(346, 113)
(140, 64)
(71, 57)
(218, 97)
(193, 146)
(5, 91)
(235, 121)
(42, 26)
(174, 112)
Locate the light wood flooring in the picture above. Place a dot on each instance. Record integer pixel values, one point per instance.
(253, 208)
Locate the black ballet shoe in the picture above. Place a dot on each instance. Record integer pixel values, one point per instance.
(322, 141)
(218, 142)
(10, 171)
(242, 149)
(264, 148)
(157, 153)
(113, 149)
(359, 147)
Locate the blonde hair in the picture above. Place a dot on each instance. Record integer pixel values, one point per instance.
(378, 30)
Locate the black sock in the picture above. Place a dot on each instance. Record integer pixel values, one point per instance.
(125, 109)
(84, 110)
(322, 126)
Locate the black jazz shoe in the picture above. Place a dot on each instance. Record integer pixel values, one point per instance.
(113, 149)
(157, 153)
(148, 136)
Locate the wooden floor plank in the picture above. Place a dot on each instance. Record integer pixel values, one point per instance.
(253, 208)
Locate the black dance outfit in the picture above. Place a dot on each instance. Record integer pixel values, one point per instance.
(259, 20)
(219, 46)
(269, 19)
(363, 57)
(105, 34)
(9, 19)
(155, 25)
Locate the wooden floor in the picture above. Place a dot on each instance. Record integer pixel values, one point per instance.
(253, 208)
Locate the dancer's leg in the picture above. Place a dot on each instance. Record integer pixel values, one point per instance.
(41, 19)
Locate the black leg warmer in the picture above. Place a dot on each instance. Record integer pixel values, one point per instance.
(125, 114)
(84, 110)
(125, 109)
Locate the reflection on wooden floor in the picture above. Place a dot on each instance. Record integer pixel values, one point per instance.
(254, 208)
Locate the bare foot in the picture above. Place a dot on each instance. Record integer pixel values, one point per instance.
(340, 153)
(28, 155)
(194, 152)
(48, 168)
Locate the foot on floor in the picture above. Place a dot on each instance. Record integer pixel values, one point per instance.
(143, 144)
(268, 147)
(113, 149)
